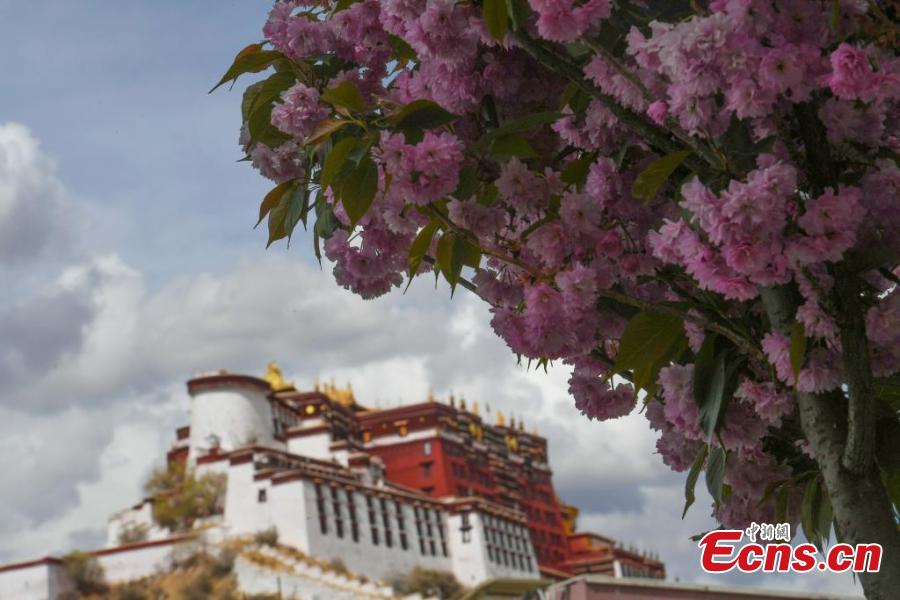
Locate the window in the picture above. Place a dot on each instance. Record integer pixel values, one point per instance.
(338, 517)
(426, 469)
(354, 523)
(427, 490)
(386, 519)
(320, 508)
(426, 448)
(401, 525)
(418, 515)
(466, 528)
(372, 522)
(440, 528)
(262, 495)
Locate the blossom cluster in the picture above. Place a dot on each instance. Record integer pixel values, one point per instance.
(559, 250)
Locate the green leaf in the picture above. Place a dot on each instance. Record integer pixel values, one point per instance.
(347, 95)
(691, 482)
(358, 189)
(649, 337)
(421, 114)
(521, 125)
(324, 130)
(645, 377)
(251, 59)
(704, 362)
(836, 17)
(495, 18)
(420, 246)
(655, 175)
(715, 472)
(277, 218)
(450, 253)
(403, 52)
(272, 198)
(335, 161)
(326, 222)
(259, 121)
(297, 208)
(518, 11)
(512, 145)
(809, 511)
(798, 348)
(344, 5)
(711, 409)
(468, 184)
(783, 503)
(471, 256)
(487, 195)
(826, 514)
(576, 171)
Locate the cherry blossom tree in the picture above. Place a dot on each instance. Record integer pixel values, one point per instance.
(693, 204)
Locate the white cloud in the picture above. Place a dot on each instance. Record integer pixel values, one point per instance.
(34, 210)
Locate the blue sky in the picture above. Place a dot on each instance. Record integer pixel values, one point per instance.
(129, 262)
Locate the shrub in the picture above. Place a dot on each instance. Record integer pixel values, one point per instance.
(427, 582)
(336, 565)
(267, 537)
(131, 533)
(85, 573)
(180, 498)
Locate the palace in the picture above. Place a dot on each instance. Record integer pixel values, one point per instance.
(430, 485)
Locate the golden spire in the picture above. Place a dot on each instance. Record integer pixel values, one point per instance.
(316, 385)
(512, 422)
(431, 395)
(475, 408)
(501, 420)
(452, 401)
(522, 425)
(462, 404)
(275, 378)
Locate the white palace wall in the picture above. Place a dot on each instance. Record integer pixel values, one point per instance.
(234, 417)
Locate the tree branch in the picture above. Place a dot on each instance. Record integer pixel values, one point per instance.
(755, 354)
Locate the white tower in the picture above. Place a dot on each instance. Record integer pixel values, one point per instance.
(229, 411)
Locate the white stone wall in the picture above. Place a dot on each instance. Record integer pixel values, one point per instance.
(135, 563)
(316, 445)
(242, 514)
(235, 417)
(37, 582)
(142, 516)
(296, 515)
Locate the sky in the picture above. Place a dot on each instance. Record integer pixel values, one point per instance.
(128, 263)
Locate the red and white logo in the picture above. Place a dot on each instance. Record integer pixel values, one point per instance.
(721, 553)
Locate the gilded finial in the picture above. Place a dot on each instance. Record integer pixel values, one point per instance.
(462, 404)
(316, 384)
(501, 420)
(452, 401)
(431, 395)
(475, 408)
(275, 378)
(512, 422)
(522, 425)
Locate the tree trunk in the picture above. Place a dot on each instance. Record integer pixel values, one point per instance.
(862, 509)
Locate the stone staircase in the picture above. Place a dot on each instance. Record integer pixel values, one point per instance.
(292, 577)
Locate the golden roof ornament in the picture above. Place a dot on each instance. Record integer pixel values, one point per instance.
(501, 420)
(462, 403)
(475, 408)
(275, 378)
(342, 395)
